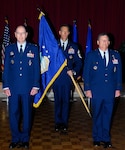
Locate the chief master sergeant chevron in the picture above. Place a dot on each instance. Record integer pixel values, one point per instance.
(102, 83)
(20, 83)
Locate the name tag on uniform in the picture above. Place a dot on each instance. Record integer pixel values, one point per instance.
(31, 55)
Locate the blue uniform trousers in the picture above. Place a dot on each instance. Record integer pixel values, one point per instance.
(62, 99)
(102, 112)
(62, 92)
(20, 105)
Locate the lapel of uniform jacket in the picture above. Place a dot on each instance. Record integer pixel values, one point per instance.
(16, 51)
(16, 48)
(68, 45)
(26, 48)
(110, 57)
(59, 43)
(99, 57)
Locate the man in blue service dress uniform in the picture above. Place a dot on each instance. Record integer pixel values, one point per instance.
(102, 83)
(20, 83)
(63, 84)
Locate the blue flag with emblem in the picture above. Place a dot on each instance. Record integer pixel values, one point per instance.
(52, 60)
(75, 32)
(89, 39)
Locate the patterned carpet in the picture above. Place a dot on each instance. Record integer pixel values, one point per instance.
(78, 137)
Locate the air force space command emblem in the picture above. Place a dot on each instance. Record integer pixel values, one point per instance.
(44, 64)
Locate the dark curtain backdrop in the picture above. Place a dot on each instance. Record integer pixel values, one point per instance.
(106, 16)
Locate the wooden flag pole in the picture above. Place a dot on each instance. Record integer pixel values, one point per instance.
(76, 86)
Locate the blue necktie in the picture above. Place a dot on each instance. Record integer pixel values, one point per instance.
(21, 50)
(104, 58)
(63, 46)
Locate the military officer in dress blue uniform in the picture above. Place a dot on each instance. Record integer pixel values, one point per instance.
(102, 83)
(20, 83)
(63, 84)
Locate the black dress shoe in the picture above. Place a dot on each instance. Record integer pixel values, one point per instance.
(13, 145)
(64, 129)
(96, 143)
(57, 127)
(107, 145)
(25, 145)
(19, 145)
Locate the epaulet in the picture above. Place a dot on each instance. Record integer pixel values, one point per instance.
(116, 51)
(113, 50)
(11, 44)
(94, 51)
(33, 44)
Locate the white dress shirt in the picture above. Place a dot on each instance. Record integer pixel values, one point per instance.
(64, 42)
(106, 55)
(23, 46)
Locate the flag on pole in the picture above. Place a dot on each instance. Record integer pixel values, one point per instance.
(6, 41)
(75, 32)
(89, 39)
(52, 60)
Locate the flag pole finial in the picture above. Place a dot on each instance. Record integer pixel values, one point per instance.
(6, 19)
(38, 9)
(41, 13)
(74, 21)
(25, 21)
(89, 21)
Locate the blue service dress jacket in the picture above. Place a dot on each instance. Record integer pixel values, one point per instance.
(74, 60)
(98, 78)
(21, 73)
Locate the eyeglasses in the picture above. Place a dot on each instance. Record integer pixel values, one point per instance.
(20, 33)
